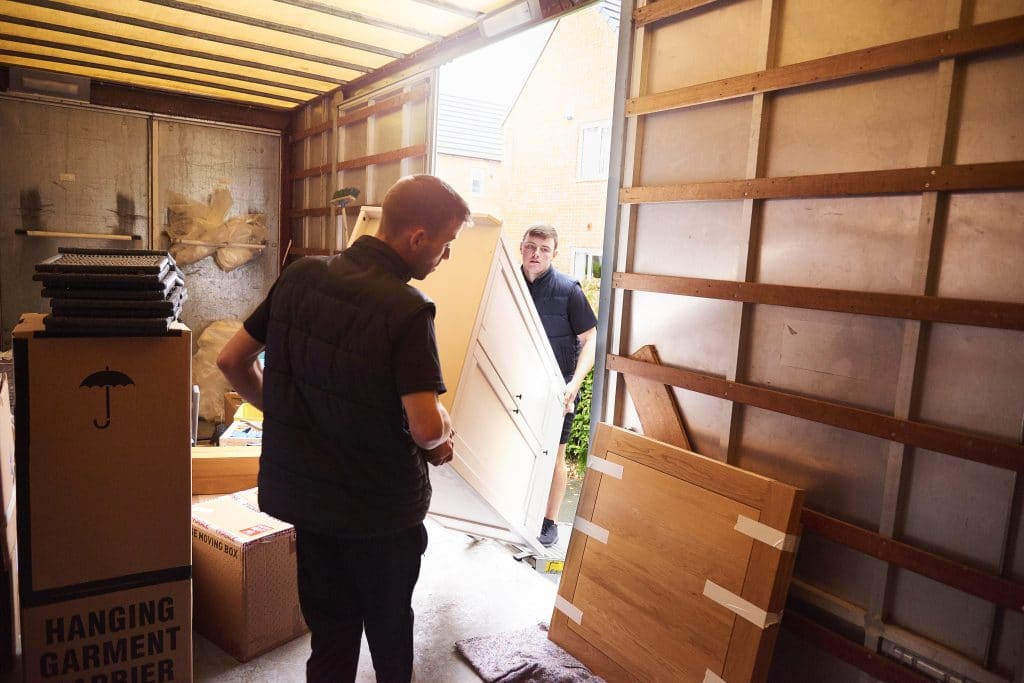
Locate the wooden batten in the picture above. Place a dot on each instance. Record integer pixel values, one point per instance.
(930, 48)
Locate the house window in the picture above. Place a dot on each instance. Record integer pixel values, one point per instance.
(595, 148)
(476, 182)
(586, 264)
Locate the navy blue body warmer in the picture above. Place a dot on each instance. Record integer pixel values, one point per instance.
(337, 454)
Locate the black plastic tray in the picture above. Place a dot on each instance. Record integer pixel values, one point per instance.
(120, 308)
(103, 281)
(107, 261)
(107, 326)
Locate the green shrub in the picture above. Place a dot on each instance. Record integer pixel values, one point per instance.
(579, 437)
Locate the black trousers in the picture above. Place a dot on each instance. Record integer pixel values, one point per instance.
(348, 584)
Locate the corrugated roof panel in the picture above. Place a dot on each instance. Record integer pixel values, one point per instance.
(252, 74)
(126, 66)
(192, 45)
(149, 15)
(148, 82)
(270, 52)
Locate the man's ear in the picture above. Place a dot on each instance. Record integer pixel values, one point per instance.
(417, 236)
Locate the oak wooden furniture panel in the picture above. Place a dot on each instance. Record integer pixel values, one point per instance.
(678, 565)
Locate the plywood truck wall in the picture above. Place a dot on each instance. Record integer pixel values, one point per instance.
(808, 192)
(97, 171)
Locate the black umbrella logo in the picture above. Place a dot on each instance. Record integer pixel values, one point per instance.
(106, 379)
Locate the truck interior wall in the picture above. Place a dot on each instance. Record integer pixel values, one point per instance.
(968, 110)
(67, 169)
(193, 160)
(88, 169)
(368, 142)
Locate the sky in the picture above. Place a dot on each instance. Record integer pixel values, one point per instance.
(496, 73)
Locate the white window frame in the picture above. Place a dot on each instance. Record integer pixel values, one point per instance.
(591, 162)
(588, 255)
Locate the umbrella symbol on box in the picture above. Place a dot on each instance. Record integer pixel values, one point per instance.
(106, 379)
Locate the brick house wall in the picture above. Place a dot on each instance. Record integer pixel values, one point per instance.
(572, 85)
(458, 172)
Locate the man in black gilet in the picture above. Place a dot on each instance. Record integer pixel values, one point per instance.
(571, 328)
(349, 395)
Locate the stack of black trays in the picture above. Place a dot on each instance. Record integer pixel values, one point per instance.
(111, 291)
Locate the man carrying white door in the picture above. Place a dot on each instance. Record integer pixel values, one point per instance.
(571, 327)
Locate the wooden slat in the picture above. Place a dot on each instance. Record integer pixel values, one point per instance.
(663, 9)
(310, 251)
(977, 582)
(318, 211)
(989, 451)
(308, 132)
(383, 157)
(879, 666)
(998, 314)
(965, 177)
(656, 405)
(323, 169)
(386, 105)
(930, 48)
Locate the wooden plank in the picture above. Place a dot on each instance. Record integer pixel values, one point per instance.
(389, 104)
(971, 580)
(663, 9)
(921, 50)
(224, 469)
(989, 451)
(383, 157)
(310, 132)
(750, 224)
(927, 257)
(952, 178)
(999, 314)
(323, 169)
(319, 211)
(656, 405)
(827, 640)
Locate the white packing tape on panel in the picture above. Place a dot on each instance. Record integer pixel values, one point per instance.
(766, 534)
(604, 466)
(711, 677)
(734, 603)
(568, 609)
(590, 529)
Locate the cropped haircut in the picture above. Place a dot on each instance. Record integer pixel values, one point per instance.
(421, 201)
(543, 231)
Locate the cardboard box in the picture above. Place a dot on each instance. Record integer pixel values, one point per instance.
(102, 449)
(247, 598)
(225, 469)
(242, 433)
(232, 399)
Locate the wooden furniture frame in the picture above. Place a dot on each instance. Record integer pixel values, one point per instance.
(661, 580)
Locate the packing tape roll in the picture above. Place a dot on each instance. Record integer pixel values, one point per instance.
(604, 466)
(734, 603)
(766, 534)
(568, 609)
(590, 529)
(711, 677)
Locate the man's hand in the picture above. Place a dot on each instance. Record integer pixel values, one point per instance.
(441, 454)
(569, 397)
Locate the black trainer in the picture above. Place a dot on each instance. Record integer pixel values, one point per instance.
(548, 533)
